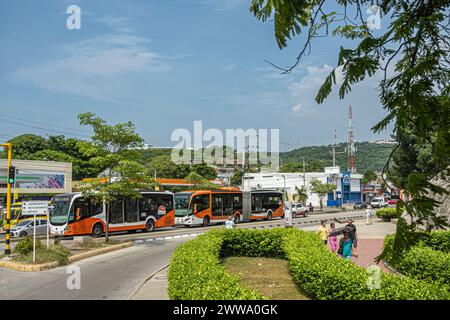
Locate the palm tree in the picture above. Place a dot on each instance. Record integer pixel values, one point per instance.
(300, 195)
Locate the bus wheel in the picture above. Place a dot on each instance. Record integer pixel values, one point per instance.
(97, 230)
(150, 226)
(205, 222)
(236, 218)
(23, 234)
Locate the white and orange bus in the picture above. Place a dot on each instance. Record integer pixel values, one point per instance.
(71, 214)
(204, 207)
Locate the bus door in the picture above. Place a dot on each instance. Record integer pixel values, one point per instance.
(246, 205)
(217, 208)
(131, 210)
(116, 212)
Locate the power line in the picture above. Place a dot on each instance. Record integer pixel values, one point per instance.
(45, 129)
(40, 122)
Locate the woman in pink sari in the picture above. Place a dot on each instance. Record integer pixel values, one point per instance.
(332, 239)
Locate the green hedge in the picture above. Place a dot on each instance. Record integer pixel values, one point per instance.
(428, 259)
(387, 213)
(438, 240)
(196, 271)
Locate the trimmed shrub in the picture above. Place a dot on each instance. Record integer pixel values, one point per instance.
(438, 240)
(428, 259)
(324, 276)
(387, 213)
(254, 243)
(197, 273)
(424, 263)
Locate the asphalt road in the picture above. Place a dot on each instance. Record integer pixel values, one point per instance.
(117, 275)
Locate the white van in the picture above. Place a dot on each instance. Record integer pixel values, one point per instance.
(378, 202)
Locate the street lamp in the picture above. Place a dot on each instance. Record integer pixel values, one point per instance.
(153, 171)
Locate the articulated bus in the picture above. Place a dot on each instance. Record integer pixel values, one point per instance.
(71, 214)
(203, 207)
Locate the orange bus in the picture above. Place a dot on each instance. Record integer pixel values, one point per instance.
(71, 214)
(204, 207)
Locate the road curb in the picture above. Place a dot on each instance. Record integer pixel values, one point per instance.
(273, 225)
(22, 267)
(146, 279)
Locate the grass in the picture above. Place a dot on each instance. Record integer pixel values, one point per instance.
(271, 277)
(53, 253)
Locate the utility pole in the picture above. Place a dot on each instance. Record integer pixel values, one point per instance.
(335, 177)
(9, 181)
(351, 149)
(304, 175)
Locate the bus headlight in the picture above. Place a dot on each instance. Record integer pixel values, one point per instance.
(66, 228)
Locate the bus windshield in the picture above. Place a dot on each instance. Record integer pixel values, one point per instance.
(59, 212)
(182, 204)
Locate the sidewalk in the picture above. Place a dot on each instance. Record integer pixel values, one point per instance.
(154, 288)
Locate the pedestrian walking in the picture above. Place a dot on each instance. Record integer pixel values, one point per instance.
(351, 229)
(332, 239)
(311, 208)
(345, 246)
(369, 216)
(323, 232)
(229, 224)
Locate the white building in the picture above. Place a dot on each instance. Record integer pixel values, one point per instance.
(348, 185)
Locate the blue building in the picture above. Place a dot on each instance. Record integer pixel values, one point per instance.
(348, 188)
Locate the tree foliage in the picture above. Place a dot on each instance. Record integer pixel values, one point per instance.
(412, 56)
(322, 189)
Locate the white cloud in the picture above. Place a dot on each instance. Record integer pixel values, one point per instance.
(95, 68)
(228, 67)
(297, 107)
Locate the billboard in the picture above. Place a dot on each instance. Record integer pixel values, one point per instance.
(34, 179)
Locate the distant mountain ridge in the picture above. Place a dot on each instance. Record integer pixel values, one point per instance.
(369, 155)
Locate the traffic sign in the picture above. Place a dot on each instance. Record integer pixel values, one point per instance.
(34, 207)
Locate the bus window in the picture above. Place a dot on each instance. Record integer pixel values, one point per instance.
(201, 202)
(147, 206)
(256, 203)
(217, 205)
(96, 208)
(116, 211)
(80, 208)
(163, 201)
(227, 204)
(131, 210)
(237, 202)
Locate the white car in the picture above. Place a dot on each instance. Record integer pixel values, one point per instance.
(378, 202)
(298, 209)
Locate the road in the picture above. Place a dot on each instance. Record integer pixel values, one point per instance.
(117, 275)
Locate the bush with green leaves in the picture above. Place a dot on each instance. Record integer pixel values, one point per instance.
(438, 240)
(387, 213)
(428, 259)
(25, 245)
(56, 252)
(196, 271)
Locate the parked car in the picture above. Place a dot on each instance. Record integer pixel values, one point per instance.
(358, 205)
(298, 209)
(392, 202)
(25, 227)
(378, 202)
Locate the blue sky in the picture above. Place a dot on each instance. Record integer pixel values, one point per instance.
(164, 64)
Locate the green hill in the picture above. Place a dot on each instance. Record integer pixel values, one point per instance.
(369, 156)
